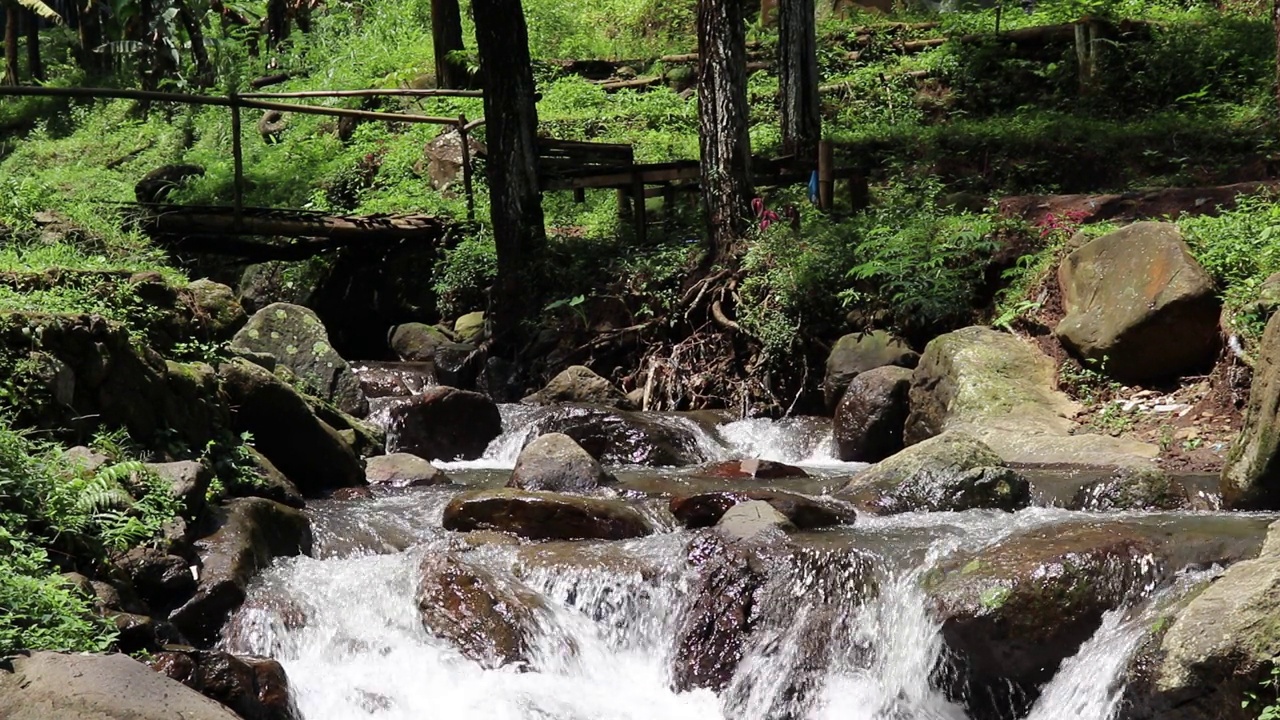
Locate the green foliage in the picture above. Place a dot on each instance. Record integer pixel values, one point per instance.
(1240, 249)
(1087, 383)
(463, 275)
(1267, 699)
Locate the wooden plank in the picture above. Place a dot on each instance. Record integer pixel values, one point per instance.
(180, 220)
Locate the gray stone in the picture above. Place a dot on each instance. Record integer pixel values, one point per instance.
(859, 352)
(403, 470)
(490, 619)
(544, 515)
(870, 419)
(580, 384)
(444, 423)
(1251, 477)
(751, 519)
(189, 480)
(46, 685)
(556, 463)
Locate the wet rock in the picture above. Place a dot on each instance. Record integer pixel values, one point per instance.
(457, 366)
(163, 581)
(1000, 389)
(393, 380)
(142, 633)
(255, 688)
(871, 416)
(751, 519)
(417, 342)
(444, 423)
(1012, 612)
(253, 532)
(859, 352)
(403, 470)
(753, 469)
(1139, 304)
(706, 509)
(556, 463)
(953, 471)
(47, 685)
(352, 493)
(217, 313)
(268, 482)
(469, 328)
(298, 340)
(1218, 647)
(1251, 477)
(490, 620)
(189, 480)
(544, 515)
(615, 437)
(580, 384)
(308, 451)
(1133, 489)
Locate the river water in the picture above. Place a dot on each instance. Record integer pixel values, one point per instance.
(344, 623)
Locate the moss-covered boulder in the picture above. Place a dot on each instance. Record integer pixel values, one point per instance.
(872, 414)
(1001, 389)
(859, 352)
(216, 311)
(307, 450)
(1142, 488)
(1139, 305)
(297, 339)
(580, 384)
(469, 328)
(417, 342)
(953, 471)
(1251, 477)
(556, 463)
(544, 515)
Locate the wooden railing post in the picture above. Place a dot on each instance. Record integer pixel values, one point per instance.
(463, 137)
(237, 156)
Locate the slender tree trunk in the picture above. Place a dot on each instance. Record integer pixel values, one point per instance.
(798, 79)
(195, 33)
(90, 31)
(515, 200)
(35, 68)
(1275, 21)
(722, 120)
(446, 36)
(10, 43)
(277, 22)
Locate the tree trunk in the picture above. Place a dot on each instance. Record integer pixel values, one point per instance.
(35, 68)
(195, 33)
(515, 200)
(798, 79)
(446, 36)
(10, 43)
(277, 22)
(1275, 21)
(722, 119)
(89, 27)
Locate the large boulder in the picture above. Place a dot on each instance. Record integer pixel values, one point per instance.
(1251, 477)
(857, 353)
(444, 423)
(544, 515)
(297, 339)
(161, 580)
(872, 414)
(1138, 304)
(256, 688)
(490, 619)
(580, 384)
(617, 437)
(1219, 647)
(393, 379)
(189, 481)
(1001, 389)
(556, 463)
(46, 685)
(470, 327)
(215, 308)
(1012, 612)
(806, 513)
(253, 532)
(953, 471)
(307, 450)
(417, 342)
(402, 470)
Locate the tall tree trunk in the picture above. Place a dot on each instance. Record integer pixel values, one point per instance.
(722, 119)
(277, 22)
(515, 200)
(89, 27)
(195, 33)
(10, 43)
(446, 36)
(798, 79)
(35, 68)
(1275, 21)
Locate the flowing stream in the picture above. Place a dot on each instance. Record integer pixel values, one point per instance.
(846, 635)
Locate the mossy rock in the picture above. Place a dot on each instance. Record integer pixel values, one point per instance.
(1251, 477)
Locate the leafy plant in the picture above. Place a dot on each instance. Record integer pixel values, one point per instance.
(1268, 701)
